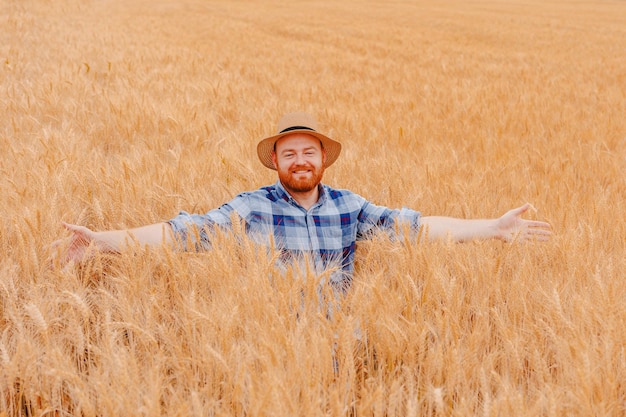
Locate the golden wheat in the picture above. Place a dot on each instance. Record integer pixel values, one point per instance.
(118, 114)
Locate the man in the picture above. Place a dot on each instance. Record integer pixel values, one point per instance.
(304, 218)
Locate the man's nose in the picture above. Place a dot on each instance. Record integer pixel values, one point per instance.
(300, 160)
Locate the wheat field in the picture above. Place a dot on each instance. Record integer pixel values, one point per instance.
(118, 114)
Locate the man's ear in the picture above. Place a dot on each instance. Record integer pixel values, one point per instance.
(323, 157)
(274, 161)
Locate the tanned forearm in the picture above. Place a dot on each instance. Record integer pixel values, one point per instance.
(151, 235)
(508, 227)
(459, 230)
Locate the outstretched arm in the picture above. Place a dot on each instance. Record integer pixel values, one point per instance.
(508, 227)
(113, 240)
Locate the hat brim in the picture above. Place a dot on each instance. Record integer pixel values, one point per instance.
(266, 147)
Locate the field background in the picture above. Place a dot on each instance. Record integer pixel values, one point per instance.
(117, 114)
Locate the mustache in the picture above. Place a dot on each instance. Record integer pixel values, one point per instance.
(302, 166)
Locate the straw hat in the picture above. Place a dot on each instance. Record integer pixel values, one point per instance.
(297, 123)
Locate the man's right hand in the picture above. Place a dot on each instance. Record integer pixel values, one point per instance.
(74, 248)
(84, 241)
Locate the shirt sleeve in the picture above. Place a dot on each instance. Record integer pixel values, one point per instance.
(193, 231)
(394, 222)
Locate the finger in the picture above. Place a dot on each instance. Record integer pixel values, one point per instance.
(517, 212)
(75, 254)
(538, 224)
(69, 267)
(535, 239)
(80, 234)
(541, 230)
(540, 235)
(56, 244)
(73, 227)
(60, 252)
(54, 253)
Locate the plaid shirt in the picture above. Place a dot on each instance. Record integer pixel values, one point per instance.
(327, 232)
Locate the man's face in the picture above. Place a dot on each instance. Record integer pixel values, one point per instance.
(299, 159)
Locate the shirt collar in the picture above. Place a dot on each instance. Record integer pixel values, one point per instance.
(284, 195)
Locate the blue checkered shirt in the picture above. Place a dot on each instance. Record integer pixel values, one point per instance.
(327, 233)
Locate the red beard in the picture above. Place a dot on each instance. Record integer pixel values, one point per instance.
(293, 184)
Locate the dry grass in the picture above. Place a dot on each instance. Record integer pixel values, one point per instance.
(118, 115)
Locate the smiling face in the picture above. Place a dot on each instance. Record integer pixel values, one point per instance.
(299, 159)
